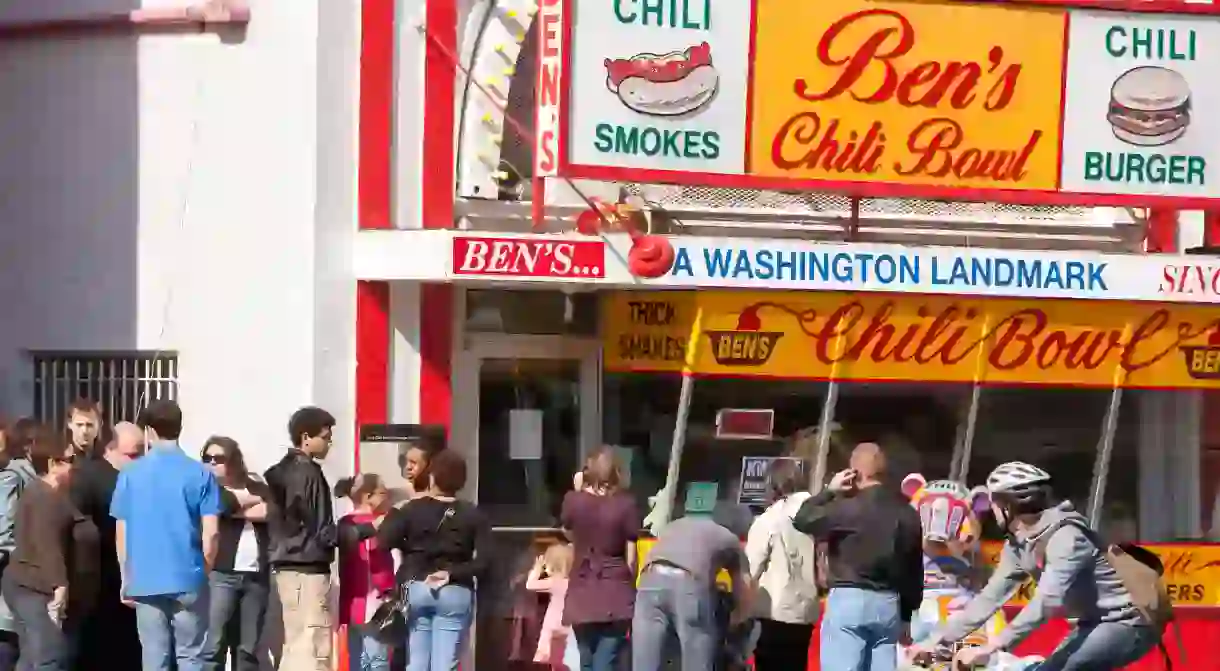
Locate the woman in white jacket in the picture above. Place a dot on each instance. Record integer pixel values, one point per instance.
(783, 563)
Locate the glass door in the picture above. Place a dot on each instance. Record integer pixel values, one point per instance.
(527, 410)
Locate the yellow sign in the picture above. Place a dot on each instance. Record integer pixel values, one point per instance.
(1192, 573)
(824, 335)
(947, 94)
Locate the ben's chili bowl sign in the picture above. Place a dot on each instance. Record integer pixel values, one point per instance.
(905, 93)
(943, 99)
(819, 335)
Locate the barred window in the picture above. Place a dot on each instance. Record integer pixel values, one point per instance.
(121, 382)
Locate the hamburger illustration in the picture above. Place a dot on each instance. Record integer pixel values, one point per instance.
(670, 84)
(1149, 106)
(1203, 361)
(746, 345)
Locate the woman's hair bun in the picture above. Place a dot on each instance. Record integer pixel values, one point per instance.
(343, 487)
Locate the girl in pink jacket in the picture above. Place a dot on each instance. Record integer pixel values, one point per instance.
(556, 645)
(366, 572)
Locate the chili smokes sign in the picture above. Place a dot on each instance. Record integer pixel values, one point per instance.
(929, 98)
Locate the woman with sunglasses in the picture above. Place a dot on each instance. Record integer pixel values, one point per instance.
(240, 581)
(53, 573)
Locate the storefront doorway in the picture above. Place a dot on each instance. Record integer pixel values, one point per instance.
(526, 410)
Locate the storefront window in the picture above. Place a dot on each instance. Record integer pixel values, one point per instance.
(524, 312)
(918, 425)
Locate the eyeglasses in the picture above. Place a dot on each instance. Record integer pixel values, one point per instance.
(214, 459)
(65, 460)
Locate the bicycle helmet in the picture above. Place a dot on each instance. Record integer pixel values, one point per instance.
(1024, 488)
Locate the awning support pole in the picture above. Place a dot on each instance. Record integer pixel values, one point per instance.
(960, 468)
(817, 475)
(1105, 448)
(670, 493)
(663, 508)
(1105, 445)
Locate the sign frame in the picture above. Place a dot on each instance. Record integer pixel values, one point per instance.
(565, 168)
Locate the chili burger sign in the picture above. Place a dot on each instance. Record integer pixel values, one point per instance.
(1025, 103)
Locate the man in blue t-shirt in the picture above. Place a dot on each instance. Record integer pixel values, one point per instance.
(165, 508)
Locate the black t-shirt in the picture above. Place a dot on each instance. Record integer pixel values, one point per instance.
(93, 483)
(435, 535)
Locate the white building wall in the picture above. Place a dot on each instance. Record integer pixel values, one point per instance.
(191, 193)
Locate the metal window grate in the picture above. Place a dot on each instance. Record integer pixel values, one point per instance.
(121, 382)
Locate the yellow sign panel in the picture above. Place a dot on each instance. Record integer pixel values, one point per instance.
(823, 335)
(945, 94)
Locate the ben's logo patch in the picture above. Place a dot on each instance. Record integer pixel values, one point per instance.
(1203, 361)
(746, 345)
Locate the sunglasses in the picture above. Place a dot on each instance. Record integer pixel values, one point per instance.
(214, 459)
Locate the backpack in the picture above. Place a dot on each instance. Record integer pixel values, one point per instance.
(1139, 570)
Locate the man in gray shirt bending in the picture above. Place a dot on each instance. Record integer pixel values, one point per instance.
(677, 593)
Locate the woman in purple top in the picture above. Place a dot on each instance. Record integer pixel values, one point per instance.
(603, 524)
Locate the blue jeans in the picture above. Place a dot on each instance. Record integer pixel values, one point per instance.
(599, 645)
(671, 601)
(860, 630)
(238, 610)
(1100, 647)
(438, 621)
(173, 627)
(366, 653)
(43, 644)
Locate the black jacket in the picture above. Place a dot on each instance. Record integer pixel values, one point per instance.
(301, 521)
(873, 540)
(230, 528)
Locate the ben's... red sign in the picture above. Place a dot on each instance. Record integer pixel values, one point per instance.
(529, 257)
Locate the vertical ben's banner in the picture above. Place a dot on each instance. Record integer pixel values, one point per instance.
(940, 99)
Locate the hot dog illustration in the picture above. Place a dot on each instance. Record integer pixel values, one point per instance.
(670, 84)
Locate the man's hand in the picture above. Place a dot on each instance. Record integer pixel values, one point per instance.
(920, 654)
(843, 481)
(377, 521)
(58, 604)
(972, 657)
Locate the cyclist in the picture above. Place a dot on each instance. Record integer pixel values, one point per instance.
(1047, 540)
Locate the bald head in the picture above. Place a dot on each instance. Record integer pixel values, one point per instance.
(869, 461)
(127, 444)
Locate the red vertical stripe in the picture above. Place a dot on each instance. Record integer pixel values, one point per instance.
(1162, 231)
(376, 113)
(440, 87)
(436, 354)
(1211, 229)
(372, 356)
(436, 300)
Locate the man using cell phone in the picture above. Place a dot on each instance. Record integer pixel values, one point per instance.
(875, 558)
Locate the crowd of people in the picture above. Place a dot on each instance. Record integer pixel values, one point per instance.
(142, 555)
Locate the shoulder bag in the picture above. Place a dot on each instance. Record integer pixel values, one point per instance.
(388, 623)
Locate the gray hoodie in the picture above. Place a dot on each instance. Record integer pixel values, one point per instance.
(1076, 579)
(13, 481)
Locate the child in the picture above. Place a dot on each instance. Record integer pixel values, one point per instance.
(366, 572)
(556, 645)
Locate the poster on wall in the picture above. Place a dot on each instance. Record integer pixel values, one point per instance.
(1039, 104)
(755, 486)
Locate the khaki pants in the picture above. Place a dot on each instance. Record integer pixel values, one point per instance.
(305, 598)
